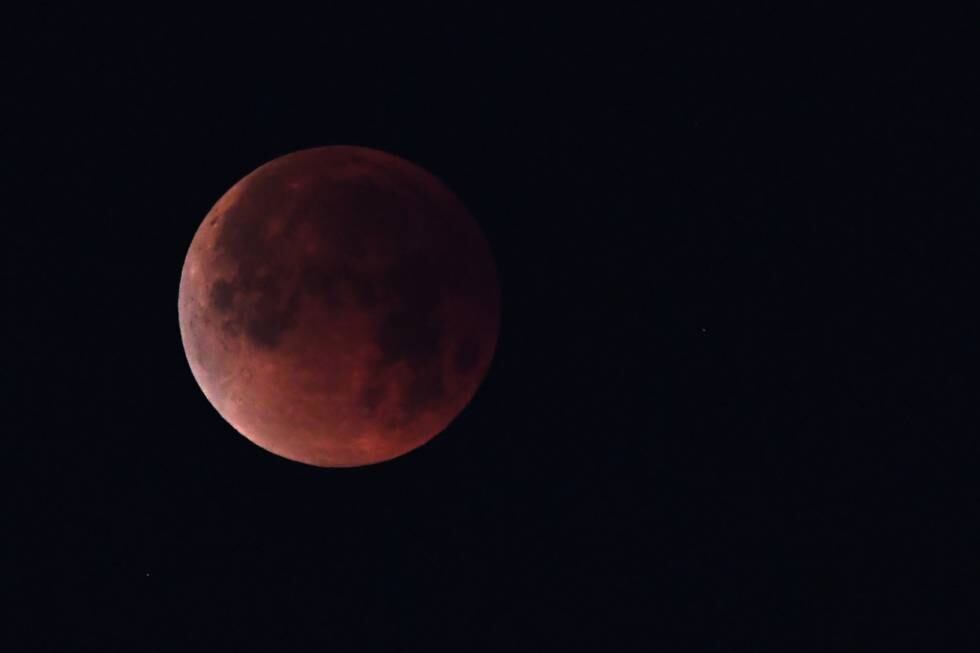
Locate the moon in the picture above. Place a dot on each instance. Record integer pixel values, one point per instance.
(339, 306)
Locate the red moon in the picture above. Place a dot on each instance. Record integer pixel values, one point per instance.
(339, 306)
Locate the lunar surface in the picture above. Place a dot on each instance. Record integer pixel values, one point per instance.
(339, 306)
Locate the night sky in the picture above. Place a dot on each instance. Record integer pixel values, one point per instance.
(733, 402)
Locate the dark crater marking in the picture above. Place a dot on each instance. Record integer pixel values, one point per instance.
(222, 295)
(254, 302)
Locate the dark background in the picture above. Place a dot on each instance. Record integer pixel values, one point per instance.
(731, 405)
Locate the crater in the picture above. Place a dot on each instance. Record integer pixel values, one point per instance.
(222, 295)
(371, 398)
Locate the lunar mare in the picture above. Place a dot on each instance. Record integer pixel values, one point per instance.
(339, 306)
